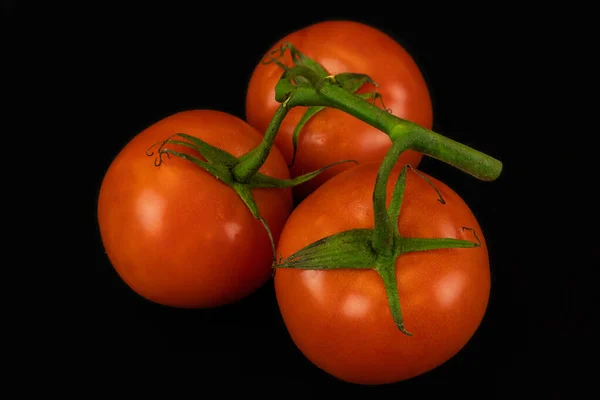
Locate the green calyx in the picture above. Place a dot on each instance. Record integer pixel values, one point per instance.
(222, 165)
(376, 248)
(308, 73)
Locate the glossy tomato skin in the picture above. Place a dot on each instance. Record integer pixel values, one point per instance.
(174, 233)
(340, 319)
(332, 135)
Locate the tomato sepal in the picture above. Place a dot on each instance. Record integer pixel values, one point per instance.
(218, 171)
(245, 193)
(212, 154)
(298, 59)
(263, 181)
(347, 249)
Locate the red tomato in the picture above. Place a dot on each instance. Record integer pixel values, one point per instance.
(340, 319)
(332, 135)
(177, 235)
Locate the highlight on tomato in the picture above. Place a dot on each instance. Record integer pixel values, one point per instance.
(372, 303)
(312, 137)
(178, 228)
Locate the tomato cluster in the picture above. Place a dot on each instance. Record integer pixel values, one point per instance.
(181, 231)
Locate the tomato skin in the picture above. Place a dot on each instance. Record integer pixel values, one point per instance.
(333, 135)
(174, 233)
(340, 319)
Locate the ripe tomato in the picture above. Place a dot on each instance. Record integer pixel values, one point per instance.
(340, 319)
(332, 135)
(177, 235)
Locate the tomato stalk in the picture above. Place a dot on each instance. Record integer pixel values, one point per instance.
(329, 93)
(251, 162)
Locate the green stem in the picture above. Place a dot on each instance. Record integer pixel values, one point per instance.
(463, 157)
(383, 234)
(423, 140)
(250, 163)
(338, 97)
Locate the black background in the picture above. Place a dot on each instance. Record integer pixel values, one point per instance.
(120, 69)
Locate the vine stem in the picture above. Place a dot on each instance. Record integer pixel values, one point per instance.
(423, 140)
(327, 93)
(250, 163)
(308, 84)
